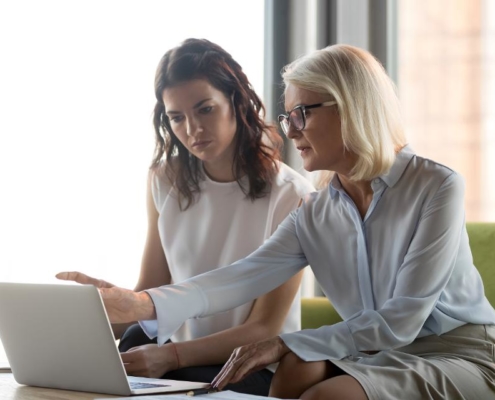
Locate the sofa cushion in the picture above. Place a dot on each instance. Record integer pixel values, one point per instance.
(482, 242)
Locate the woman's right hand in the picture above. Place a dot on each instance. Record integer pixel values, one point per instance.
(122, 305)
(83, 279)
(150, 360)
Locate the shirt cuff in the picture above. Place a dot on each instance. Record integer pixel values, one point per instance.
(169, 316)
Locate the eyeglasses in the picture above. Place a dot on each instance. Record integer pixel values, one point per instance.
(297, 116)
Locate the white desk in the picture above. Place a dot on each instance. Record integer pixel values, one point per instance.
(11, 390)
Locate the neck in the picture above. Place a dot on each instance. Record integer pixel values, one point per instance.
(219, 172)
(360, 192)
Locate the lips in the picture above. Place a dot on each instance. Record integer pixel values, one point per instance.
(201, 143)
(303, 149)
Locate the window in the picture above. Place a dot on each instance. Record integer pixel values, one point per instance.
(76, 136)
(447, 86)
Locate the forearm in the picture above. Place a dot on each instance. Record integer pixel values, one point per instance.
(215, 292)
(217, 348)
(274, 263)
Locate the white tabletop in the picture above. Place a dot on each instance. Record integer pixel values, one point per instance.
(11, 390)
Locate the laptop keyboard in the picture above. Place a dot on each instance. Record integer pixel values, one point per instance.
(145, 385)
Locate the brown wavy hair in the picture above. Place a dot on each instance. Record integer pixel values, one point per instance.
(257, 145)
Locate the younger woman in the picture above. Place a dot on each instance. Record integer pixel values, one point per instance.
(216, 191)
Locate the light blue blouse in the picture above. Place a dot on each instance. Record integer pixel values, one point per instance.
(402, 272)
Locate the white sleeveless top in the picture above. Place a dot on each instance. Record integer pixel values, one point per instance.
(221, 227)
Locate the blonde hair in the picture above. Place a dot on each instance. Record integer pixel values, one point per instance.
(367, 103)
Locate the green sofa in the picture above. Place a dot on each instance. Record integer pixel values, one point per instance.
(318, 311)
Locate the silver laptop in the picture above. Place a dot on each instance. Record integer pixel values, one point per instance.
(59, 336)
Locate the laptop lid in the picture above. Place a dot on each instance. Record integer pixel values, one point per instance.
(59, 336)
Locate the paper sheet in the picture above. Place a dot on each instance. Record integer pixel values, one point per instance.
(226, 395)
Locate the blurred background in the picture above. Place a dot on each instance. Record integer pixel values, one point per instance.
(76, 96)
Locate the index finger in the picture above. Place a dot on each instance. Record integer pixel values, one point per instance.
(231, 370)
(81, 278)
(224, 376)
(225, 367)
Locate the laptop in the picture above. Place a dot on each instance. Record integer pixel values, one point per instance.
(59, 336)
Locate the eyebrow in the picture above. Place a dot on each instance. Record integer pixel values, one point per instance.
(197, 105)
(297, 105)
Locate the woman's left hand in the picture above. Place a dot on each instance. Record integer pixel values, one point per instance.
(248, 359)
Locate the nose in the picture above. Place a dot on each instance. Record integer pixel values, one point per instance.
(193, 126)
(293, 133)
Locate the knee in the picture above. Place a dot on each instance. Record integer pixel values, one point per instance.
(340, 387)
(317, 392)
(286, 377)
(294, 376)
(288, 367)
(313, 394)
(290, 360)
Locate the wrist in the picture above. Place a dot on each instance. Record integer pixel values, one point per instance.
(145, 309)
(175, 353)
(283, 348)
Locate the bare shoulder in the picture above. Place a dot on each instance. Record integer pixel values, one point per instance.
(159, 175)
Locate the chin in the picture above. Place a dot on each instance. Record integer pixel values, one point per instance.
(310, 167)
(205, 156)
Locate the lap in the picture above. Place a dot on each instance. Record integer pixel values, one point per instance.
(458, 365)
(257, 383)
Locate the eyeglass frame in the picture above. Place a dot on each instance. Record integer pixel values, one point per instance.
(303, 108)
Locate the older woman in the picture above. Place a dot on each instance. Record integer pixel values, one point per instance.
(386, 240)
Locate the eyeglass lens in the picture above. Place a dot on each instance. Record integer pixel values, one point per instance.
(295, 119)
